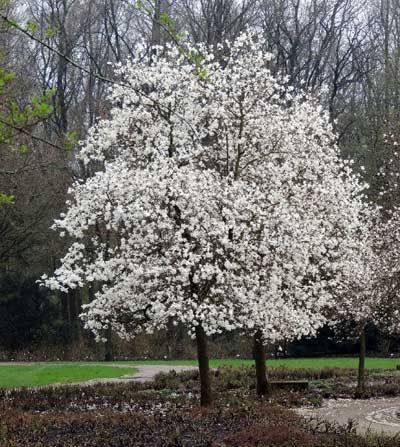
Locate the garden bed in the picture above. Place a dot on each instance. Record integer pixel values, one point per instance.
(165, 412)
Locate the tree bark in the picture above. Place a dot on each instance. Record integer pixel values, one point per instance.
(361, 364)
(109, 354)
(156, 29)
(261, 371)
(204, 367)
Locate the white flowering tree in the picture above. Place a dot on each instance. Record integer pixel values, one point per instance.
(358, 296)
(310, 221)
(388, 233)
(387, 308)
(371, 294)
(226, 205)
(374, 296)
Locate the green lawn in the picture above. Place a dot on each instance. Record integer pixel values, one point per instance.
(316, 363)
(46, 374)
(67, 372)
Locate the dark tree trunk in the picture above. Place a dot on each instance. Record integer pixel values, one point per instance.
(65, 310)
(204, 367)
(361, 364)
(156, 29)
(261, 370)
(75, 307)
(62, 68)
(109, 354)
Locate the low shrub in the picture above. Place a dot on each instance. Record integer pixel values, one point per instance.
(185, 426)
(166, 413)
(271, 436)
(232, 378)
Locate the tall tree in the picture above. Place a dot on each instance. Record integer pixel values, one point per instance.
(227, 211)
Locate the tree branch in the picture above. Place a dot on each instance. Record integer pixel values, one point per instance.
(75, 64)
(15, 25)
(34, 137)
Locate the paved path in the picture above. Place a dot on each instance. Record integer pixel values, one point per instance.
(143, 373)
(379, 415)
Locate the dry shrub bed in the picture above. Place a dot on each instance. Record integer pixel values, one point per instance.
(229, 378)
(187, 426)
(166, 413)
(324, 383)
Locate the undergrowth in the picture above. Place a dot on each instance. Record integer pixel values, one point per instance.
(165, 413)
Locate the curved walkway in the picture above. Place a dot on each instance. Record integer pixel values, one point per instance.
(143, 373)
(378, 415)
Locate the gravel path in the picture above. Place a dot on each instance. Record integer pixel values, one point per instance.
(143, 373)
(379, 415)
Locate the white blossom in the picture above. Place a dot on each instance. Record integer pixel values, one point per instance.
(223, 202)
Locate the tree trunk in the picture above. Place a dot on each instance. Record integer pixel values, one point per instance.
(75, 307)
(62, 68)
(156, 29)
(109, 354)
(204, 368)
(261, 371)
(361, 364)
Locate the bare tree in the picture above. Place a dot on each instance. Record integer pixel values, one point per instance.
(215, 21)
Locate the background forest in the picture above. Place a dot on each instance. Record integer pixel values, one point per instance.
(56, 64)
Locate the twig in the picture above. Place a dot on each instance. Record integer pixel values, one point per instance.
(85, 70)
(54, 50)
(34, 137)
